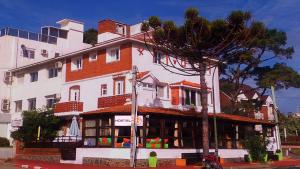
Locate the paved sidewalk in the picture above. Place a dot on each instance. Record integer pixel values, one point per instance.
(46, 165)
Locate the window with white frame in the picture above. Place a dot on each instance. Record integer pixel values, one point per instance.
(147, 85)
(34, 76)
(157, 57)
(103, 89)
(28, 52)
(113, 55)
(191, 97)
(32, 104)
(52, 72)
(50, 101)
(76, 64)
(160, 91)
(18, 106)
(119, 87)
(92, 57)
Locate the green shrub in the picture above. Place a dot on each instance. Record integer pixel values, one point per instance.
(4, 142)
(257, 147)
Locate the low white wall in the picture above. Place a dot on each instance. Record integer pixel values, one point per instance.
(6, 152)
(143, 153)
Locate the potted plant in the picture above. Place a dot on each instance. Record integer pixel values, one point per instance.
(279, 154)
(152, 160)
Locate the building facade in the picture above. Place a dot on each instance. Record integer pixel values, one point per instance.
(19, 49)
(94, 84)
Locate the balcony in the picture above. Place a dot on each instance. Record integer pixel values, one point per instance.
(28, 35)
(71, 106)
(111, 101)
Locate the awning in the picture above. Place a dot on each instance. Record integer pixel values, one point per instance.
(126, 109)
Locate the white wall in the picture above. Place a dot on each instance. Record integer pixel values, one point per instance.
(142, 153)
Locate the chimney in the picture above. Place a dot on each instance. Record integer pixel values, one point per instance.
(109, 29)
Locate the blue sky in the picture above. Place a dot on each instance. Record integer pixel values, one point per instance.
(281, 14)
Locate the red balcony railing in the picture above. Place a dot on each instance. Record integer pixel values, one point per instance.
(68, 106)
(113, 100)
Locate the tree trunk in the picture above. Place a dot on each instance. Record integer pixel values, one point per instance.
(204, 96)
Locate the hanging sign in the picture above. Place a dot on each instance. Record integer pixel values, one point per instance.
(16, 122)
(126, 121)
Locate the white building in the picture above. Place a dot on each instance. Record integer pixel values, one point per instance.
(94, 82)
(19, 48)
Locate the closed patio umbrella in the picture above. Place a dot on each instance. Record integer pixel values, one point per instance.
(74, 129)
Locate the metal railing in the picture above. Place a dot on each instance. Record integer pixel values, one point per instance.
(28, 35)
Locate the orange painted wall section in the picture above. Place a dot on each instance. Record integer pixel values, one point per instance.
(175, 95)
(264, 111)
(100, 67)
(106, 26)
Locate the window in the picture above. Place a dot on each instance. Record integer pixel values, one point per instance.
(103, 90)
(18, 106)
(148, 85)
(157, 57)
(113, 55)
(32, 104)
(76, 64)
(52, 72)
(160, 91)
(93, 57)
(50, 101)
(34, 76)
(119, 87)
(191, 97)
(90, 133)
(27, 53)
(171, 133)
(105, 135)
(120, 29)
(74, 93)
(187, 134)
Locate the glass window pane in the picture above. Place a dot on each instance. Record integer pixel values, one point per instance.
(90, 142)
(53, 32)
(63, 33)
(34, 36)
(90, 123)
(45, 31)
(90, 132)
(23, 34)
(12, 32)
(52, 40)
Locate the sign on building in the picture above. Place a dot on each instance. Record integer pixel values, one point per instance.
(126, 121)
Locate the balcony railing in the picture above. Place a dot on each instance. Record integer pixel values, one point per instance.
(68, 107)
(28, 35)
(113, 100)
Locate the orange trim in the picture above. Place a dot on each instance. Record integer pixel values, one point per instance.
(126, 109)
(187, 83)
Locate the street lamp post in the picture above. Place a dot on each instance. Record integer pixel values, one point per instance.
(133, 119)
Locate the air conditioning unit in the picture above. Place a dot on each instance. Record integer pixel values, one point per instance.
(56, 55)
(44, 53)
(7, 77)
(5, 105)
(58, 65)
(57, 96)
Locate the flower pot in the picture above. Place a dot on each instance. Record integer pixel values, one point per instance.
(279, 155)
(152, 161)
(265, 158)
(248, 158)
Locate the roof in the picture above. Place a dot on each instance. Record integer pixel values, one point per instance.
(126, 109)
(187, 83)
(140, 75)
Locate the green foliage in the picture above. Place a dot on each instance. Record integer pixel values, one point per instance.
(280, 76)
(4, 142)
(49, 124)
(257, 147)
(291, 124)
(90, 36)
